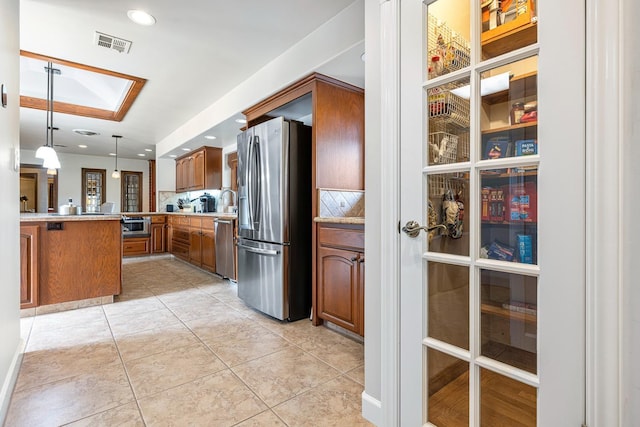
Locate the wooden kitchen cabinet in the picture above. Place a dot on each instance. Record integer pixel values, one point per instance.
(199, 170)
(208, 245)
(158, 234)
(28, 266)
(79, 260)
(336, 111)
(340, 276)
(200, 250)
(180, 236)
(134, 246)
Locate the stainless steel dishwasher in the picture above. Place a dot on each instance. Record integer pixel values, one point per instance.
(224, 248)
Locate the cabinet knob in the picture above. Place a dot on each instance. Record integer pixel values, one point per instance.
(361, 260)
(354, 259)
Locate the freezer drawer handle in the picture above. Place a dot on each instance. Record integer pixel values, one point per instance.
(259, 251)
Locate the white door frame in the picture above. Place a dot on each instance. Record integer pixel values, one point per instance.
(605, 171)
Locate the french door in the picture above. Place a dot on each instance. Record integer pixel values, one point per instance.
(492, 138)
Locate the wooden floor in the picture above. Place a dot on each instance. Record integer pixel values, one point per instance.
(504, 402)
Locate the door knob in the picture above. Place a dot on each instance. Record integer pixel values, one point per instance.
(412, 228)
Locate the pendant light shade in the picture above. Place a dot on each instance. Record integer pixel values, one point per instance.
(116, 173)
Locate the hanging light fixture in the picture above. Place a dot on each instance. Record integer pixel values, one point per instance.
(46, 152)
(116, 173)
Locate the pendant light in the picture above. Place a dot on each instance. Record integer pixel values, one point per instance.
(46, 152)
(116, 174)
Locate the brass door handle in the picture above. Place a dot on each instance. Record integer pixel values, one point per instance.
(412, 228)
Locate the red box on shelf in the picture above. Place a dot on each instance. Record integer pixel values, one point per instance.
(521, 202)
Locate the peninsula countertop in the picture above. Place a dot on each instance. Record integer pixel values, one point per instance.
(88, 216)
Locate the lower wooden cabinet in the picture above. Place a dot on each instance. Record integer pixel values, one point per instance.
(135, 246)
(158, 234)
(340, 276)
(28, 266)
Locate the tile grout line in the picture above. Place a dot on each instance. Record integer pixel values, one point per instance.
(126, 372)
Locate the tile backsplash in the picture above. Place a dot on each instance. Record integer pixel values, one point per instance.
(340, 203)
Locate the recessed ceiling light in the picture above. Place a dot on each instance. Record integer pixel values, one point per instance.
(82, 146)
(241, 121)
(209, 137)
(173, 156)
(112, 154)
(148, 150)
(141, 17)
(186, 149)
(141, 154)
(86, 132)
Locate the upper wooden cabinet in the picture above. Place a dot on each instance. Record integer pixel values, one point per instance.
(337, 119)
(199, 170)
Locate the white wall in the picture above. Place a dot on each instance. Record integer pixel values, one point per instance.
(373, 185)
(70, 176)
(336, 36)
(226, 170)
(10, 343)
(165, 175)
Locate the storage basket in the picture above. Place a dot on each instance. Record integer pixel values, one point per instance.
(443, 148)
(447, 107)
(438, 184)
(452, 49)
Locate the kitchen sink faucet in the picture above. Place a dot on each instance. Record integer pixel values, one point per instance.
(228, 190)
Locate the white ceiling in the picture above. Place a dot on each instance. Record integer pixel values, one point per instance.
(196, 53)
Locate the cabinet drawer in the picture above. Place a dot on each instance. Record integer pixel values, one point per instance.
(180, 250)
(207, 223)
(180, 235)
(158, 219)
(195, 222)
(179, 220)
(135, 247)
(341, 237)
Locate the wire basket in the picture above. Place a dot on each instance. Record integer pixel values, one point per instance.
(452, 49)
(443, 148)
(438, 184)
(447, 107)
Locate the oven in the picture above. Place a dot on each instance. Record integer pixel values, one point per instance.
(135, 226)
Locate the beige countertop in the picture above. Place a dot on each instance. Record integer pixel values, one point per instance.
(38, 217)
(341, 220)
(35, 217)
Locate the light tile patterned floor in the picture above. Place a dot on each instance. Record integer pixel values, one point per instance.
(178, 348)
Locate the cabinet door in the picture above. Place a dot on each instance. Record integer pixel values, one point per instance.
(361, 294)
(197, 171)
(180, 169)
(28, 266)
(208, 246)
(195, 247)
(338, 287)
(158, 238)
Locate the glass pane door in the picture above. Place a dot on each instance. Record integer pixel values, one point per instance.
(93, 189)
(481, 176)
(131, 191)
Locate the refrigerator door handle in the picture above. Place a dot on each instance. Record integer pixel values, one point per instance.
(258, 250)
(257, 153)
(249, 181)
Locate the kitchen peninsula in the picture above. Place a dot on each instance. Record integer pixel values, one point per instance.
(69, 261)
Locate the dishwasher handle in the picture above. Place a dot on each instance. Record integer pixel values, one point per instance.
(258, 250)
(222, 221)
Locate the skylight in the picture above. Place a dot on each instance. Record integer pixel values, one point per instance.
(80, 90)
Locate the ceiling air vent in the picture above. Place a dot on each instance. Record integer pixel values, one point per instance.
(110, 42)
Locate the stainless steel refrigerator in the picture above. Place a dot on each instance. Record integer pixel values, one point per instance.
(274, 218)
